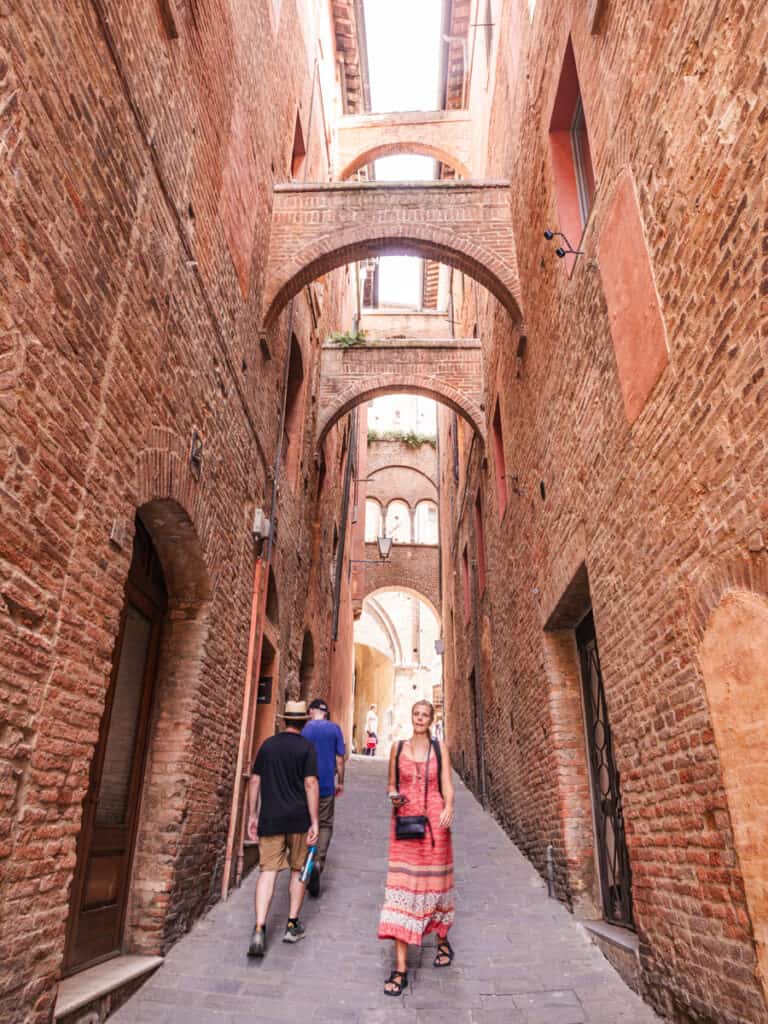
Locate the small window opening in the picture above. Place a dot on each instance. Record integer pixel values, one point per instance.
(299, 154)
(571, 156)
(465, 584)
(582, 162)
(499, 461)
(480, 541)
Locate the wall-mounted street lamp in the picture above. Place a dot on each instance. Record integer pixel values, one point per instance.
(560, 251)
(384, 545)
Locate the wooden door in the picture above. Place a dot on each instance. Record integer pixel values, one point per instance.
(110, 809)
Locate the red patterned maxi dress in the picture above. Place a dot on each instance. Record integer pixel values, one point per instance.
(419, 893)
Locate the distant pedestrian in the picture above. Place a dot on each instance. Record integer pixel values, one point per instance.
(419, 891)
(329, 743)
(371, 731)
(285, 779)
(372, 720)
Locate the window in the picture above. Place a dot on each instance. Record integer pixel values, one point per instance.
(426, 523)
(488, 25)
(372, 520)
(399, 522)
(465, 584)
(499, 461)
(571, 156)
(480, 541)
(299, 154)
(582, 162)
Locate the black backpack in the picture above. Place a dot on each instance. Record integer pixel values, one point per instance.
(438, 756)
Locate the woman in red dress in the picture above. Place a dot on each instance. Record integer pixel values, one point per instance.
(419, 893)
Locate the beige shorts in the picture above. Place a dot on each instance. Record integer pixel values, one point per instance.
(276, 853)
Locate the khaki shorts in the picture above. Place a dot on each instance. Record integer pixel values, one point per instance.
(276, 853)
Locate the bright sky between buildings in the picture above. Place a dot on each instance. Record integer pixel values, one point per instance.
(403, 39)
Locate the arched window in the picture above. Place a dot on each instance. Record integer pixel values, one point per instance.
(372, 520)
(426, 522)
(399, 522)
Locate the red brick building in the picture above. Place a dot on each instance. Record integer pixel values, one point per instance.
(176, 244)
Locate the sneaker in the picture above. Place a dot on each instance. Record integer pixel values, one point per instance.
(294, 931)
(258, 942)
(313, 886)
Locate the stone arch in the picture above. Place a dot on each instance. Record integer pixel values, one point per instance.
(406, 469)
(363, 241)
(393, 384)
(413, 148)
(166, 796)
(733, 656)
(398, 589)
(382, 618)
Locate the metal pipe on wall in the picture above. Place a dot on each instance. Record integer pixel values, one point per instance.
(259, 601)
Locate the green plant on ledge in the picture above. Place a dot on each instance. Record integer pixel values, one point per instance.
(348, 339)
(409, 438)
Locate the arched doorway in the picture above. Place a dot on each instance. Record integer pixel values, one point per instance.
(111, 808)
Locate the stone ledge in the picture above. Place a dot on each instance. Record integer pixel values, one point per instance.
(350, 122)
(456, 185)
(619, 937)
(448, 343)
(96, 982)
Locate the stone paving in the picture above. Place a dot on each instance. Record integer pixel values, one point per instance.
(520, 957)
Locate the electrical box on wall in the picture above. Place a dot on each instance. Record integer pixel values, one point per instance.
(261, 525)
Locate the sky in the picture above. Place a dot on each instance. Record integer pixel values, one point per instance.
(403, 69)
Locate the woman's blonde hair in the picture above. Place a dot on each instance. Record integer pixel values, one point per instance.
(425, 704)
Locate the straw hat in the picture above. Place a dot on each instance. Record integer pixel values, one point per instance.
(295, 711)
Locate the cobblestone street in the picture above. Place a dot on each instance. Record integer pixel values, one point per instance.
(520, 958)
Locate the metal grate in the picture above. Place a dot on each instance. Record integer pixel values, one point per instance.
(613, 857)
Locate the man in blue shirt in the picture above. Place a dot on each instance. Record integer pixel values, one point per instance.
(329, 742)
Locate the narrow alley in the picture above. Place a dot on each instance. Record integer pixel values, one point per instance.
(397, 367)
(520, 958)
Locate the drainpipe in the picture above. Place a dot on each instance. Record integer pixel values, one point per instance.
(349, 472)
(476, 655)
(258, 604)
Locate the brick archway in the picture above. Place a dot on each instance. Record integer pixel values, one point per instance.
(318, 228)
(444, 135)
(398, 384)
(422, 589)
(411, 148)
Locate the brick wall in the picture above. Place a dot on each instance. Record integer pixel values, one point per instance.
(135, 212)
(655, 510)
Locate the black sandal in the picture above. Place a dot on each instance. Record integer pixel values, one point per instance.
(398, 980)
(445, 954)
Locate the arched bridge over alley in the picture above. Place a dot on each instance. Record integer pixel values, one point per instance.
(443, 135)
(412, 568)
(448, 371)
(317, 228)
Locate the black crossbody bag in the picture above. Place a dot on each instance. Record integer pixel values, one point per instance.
(413, 826)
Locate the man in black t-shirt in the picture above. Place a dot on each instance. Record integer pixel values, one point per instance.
(285, 777)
